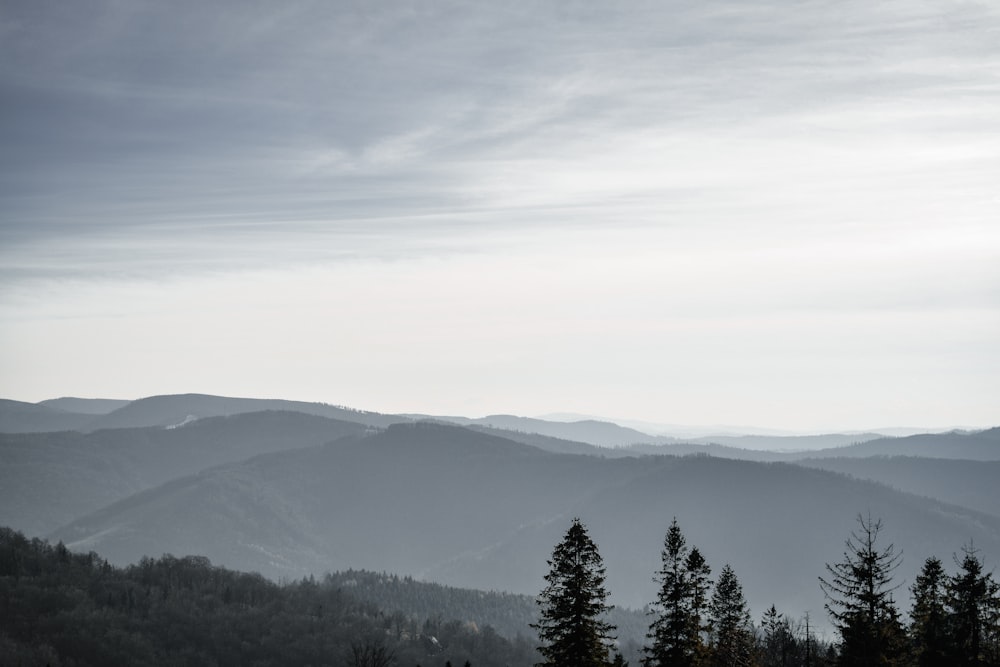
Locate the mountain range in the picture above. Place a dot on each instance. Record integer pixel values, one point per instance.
(289, 489)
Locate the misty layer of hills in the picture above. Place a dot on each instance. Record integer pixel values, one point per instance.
(96, 414)
(290, 489)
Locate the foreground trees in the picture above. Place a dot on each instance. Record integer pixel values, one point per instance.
(954, 621)
(973, 606)
(68, 609)
(859, 600)
(928, 617)
(573, 603)
(675, 633)
(732, 629)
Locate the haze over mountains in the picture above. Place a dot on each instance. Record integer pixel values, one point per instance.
(288, 489)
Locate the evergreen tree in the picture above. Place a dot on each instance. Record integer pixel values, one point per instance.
(676, 631)
(859, 600)
(928, 617)
(777, 644)
(573, 603)
(700, 585)
(732, 629)
(973, 604)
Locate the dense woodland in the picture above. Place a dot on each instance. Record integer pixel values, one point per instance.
(64, 608)
(954, 620)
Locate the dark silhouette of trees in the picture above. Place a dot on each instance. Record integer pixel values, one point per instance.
(732, 629)
(573, 603)
(63, 608)
(371, 654)
(777, 642)
(781, 643)
(860, 603)
(680, 605)
(701, 588)
(929, 635)
(973, 604)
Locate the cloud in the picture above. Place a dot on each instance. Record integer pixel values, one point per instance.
(723, 178)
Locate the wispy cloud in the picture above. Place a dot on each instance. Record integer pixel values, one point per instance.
(771, 164)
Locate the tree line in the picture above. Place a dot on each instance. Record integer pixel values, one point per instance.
(66, 609)
(954, 620)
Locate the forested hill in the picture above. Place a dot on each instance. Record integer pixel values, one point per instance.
(63, 609)
(472, 510)
(509, 614)
(973, 445)
(92, 470)
(163, 411)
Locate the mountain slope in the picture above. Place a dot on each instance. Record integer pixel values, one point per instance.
(592, 432)
(474, 510)
(177, 409)
(48, 479)
(972, 484)
(974, 446)
(20, 417)
(86, 406)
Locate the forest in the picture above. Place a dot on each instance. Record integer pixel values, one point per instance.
(61, 608)
(954, 619)
(67, 609)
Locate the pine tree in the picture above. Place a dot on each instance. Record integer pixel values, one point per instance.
(732, 629)
(776, 637)
(676, 631)
(573, 603)
(777, 644)
(928, 617)
(700, 585)
(973, 603)
(859, 600)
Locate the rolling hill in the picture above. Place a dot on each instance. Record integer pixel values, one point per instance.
(180, 408)
(972, 484)
(86, 415)
(471, 509)
(49, 479)
(21, 417)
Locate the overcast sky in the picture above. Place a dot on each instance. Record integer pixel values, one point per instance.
(774, 213)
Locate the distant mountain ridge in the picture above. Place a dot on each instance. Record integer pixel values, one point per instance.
(312, 488)
(85, 406)
(975, 445)
(175, 409)
(21, 417)
(592, 432)
(161, 411)
(48, 479)
(471, 509)
(981, 445)
(964, 482)
(70, 413)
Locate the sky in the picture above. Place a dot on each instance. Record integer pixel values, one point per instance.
(780, 214)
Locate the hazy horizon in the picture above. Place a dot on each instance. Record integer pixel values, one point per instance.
(766, 213)
(651, 428)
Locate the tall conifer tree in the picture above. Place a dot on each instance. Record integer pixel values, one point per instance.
(778, 645)
(732, 629)
(973, 601)
(572, 605)
(859, 600)
(928, 618)
(700, 591)
(676, 631)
